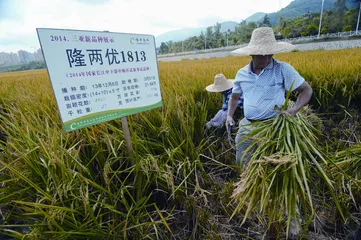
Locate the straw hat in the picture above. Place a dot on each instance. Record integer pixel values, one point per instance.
(263, 42)
(221, 83)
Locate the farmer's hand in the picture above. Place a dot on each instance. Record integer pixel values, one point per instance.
(208, 125)
(290, 112)
(229, 123)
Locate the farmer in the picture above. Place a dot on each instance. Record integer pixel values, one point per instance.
(263, 83)
(223, 86)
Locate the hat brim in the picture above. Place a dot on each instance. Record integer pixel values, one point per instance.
(268, 49)
(220, 88)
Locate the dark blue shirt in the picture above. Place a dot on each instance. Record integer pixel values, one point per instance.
(226, 95)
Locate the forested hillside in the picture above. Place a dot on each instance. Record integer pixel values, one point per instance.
(299, 8)
(342, 17)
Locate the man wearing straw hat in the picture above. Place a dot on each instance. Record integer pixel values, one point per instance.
(224, 86)
(263, 83)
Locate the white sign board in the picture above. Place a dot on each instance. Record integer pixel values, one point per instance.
(100, 76)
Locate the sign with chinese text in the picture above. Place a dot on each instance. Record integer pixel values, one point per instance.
(100, 76)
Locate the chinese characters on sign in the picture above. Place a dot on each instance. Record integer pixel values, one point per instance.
(98, 76)
(76, 57)
(106, 72)
(76, 98)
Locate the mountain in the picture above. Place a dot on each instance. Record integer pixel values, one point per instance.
(295, 9)
(178, 35)
(255, 17)
(231, 25)
(182, 34)
(298, 8)
(352, 4)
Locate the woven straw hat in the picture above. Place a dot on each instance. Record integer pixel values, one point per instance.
(221, 83)
(263, 42)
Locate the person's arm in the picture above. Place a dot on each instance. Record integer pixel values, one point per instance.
(304, 96)
(232, 105)
(233, 99)
(217, 120)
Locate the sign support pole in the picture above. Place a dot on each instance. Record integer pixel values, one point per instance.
(127, 136)
(127, 139)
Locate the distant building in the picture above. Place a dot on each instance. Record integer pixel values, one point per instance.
(38, 55)
(24, 56)
(2, 58)
(7, 59)
(14, 58)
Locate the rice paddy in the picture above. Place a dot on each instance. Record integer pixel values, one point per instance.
(82, 185)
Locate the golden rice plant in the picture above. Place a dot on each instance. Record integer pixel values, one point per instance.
(81, 184)
(349, 160)
(348, 169)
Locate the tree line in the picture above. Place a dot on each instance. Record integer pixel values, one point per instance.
(339, 19)
(28, 66)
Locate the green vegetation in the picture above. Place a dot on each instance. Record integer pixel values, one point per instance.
(28, 66)
(338, 19)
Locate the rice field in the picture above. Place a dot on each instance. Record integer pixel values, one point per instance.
(82, 185)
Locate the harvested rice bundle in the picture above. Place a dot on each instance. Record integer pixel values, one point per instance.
(276, 181)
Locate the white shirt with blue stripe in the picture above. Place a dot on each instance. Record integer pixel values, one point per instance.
(262, 92)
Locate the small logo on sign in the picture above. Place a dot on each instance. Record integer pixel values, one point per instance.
(139, 40)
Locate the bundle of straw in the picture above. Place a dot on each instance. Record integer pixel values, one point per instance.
(276, 181)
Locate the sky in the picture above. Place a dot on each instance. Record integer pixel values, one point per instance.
(20, 18)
